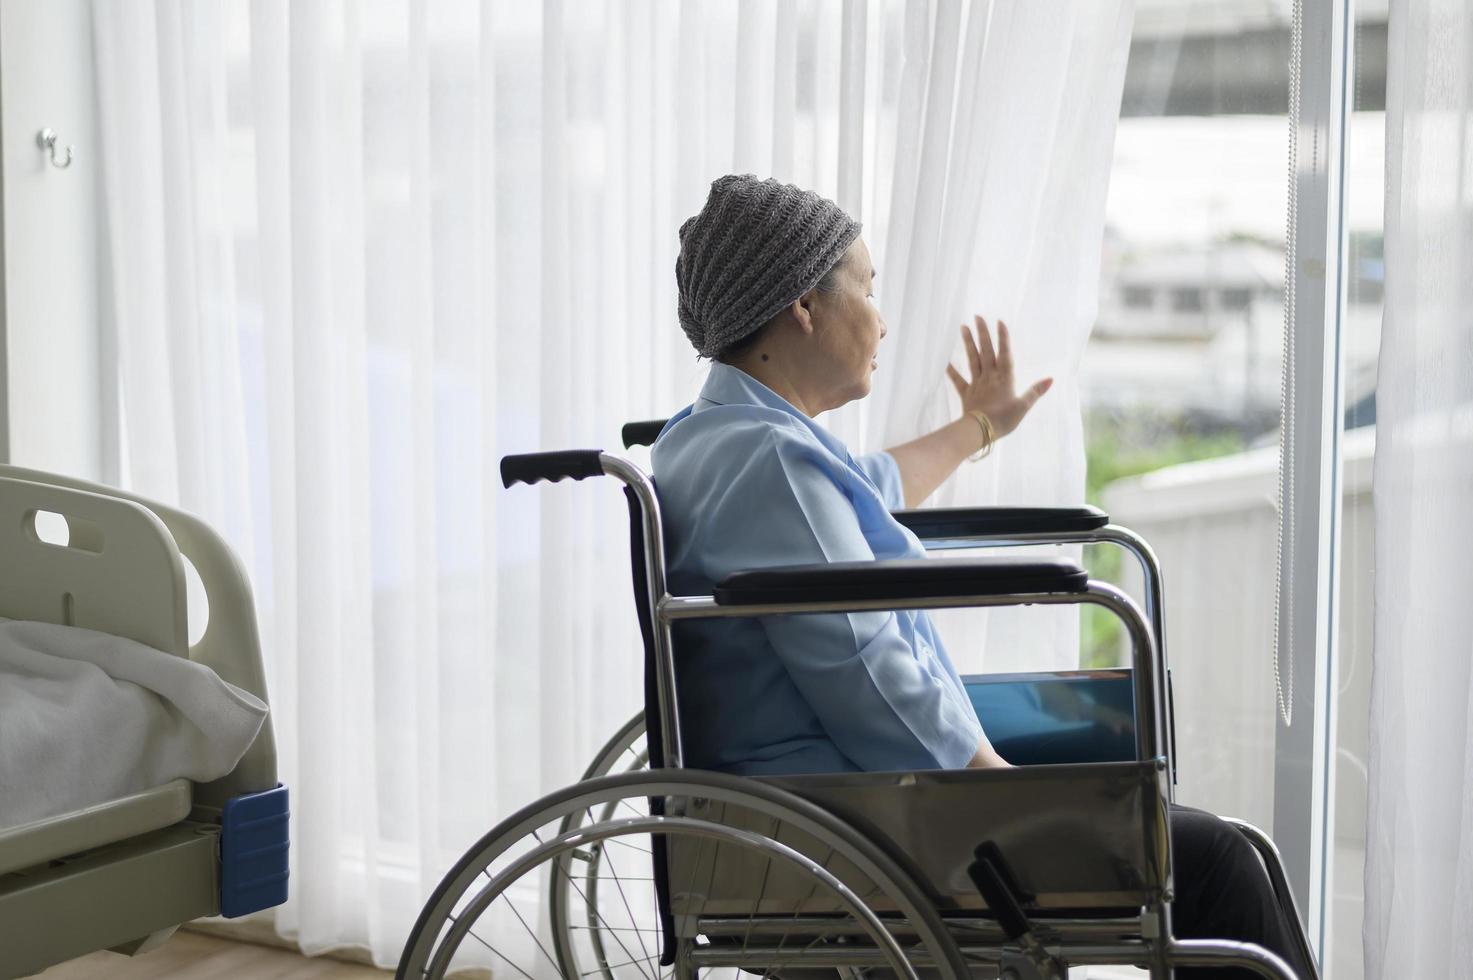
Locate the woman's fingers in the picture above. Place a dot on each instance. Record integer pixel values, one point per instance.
(991, 385)
(1036, 390)
(984, 341)
(973, 357)
(957, 381)
(1004, 347)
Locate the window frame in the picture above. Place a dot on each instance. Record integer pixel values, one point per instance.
(1304, 771)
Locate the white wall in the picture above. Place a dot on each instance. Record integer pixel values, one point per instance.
(51, 411)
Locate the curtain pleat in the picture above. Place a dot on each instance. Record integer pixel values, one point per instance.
(784, 89)
(357, 252)
(1419, 825)
(997, 209)
(850, 118)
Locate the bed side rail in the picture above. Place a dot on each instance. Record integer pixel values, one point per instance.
(231, 644)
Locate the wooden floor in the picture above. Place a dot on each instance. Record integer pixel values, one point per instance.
(191, 956)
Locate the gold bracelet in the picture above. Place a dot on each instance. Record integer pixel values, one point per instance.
(989, 435)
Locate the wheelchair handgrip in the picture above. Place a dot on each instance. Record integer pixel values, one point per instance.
(641, 433)
(989, 875)
(977, 522)
(578, 464)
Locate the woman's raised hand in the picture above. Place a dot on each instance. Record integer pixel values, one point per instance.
(991, 389)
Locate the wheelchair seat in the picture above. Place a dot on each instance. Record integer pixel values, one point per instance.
(1071, 836)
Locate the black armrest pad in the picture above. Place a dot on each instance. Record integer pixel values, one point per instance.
(965, 522)
(901, 578)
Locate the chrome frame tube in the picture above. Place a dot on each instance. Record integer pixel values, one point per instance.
(615, 748)
(1048, 930)
(1182, 952)
(1268, 851)
(1225, 952)
(1158, 946)
(684, 967)
(1153, 586)
(827, 957)
(654, 573)
(1153, 593)
(1152, 705)
(1149, 682)
(886, 944)
(770, 957)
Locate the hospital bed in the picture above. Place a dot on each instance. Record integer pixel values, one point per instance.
(125, 873)
(648, 869)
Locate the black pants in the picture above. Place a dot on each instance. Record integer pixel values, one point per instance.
(1222, 892)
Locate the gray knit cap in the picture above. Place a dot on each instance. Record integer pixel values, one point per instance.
(756, 246)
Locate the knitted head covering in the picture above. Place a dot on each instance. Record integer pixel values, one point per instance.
(756, 246)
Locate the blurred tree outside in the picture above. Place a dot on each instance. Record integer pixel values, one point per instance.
(1123, 444)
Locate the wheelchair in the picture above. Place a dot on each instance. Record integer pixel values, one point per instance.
(647, 869)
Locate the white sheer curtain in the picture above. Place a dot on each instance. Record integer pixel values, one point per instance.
(1419, 833)
(357, 251)
(999, 207)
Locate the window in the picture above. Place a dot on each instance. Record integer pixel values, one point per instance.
(1199, 191)
(1186, 300)
(1198, 195)
(1366, 273)
(1138, 297)
(1235, 298)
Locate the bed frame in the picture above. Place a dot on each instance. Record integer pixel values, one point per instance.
(123, 875)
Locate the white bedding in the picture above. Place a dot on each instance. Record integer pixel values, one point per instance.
(86, 717)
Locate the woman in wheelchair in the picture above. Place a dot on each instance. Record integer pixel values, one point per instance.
(775, 287)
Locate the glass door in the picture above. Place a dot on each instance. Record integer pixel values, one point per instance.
(1241, 288)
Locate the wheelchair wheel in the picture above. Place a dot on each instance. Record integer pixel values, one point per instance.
(625, 752)
(490, 913)
(575, 914)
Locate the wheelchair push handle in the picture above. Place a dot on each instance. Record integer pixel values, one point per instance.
(529, 468)
(641, 433)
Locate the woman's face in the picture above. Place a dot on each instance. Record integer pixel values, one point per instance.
(848, 327)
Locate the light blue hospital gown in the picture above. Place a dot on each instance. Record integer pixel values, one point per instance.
(746, 480)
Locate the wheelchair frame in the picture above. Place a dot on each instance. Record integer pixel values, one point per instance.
(944, 529)
(1008, 941)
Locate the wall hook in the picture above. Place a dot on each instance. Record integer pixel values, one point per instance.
(46, 140)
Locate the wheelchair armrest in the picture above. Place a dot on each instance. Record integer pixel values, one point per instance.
(900, 578)
(983, 522)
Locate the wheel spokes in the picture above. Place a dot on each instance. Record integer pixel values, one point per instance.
(576, 848)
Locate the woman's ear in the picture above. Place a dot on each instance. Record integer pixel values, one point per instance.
(802, 310)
